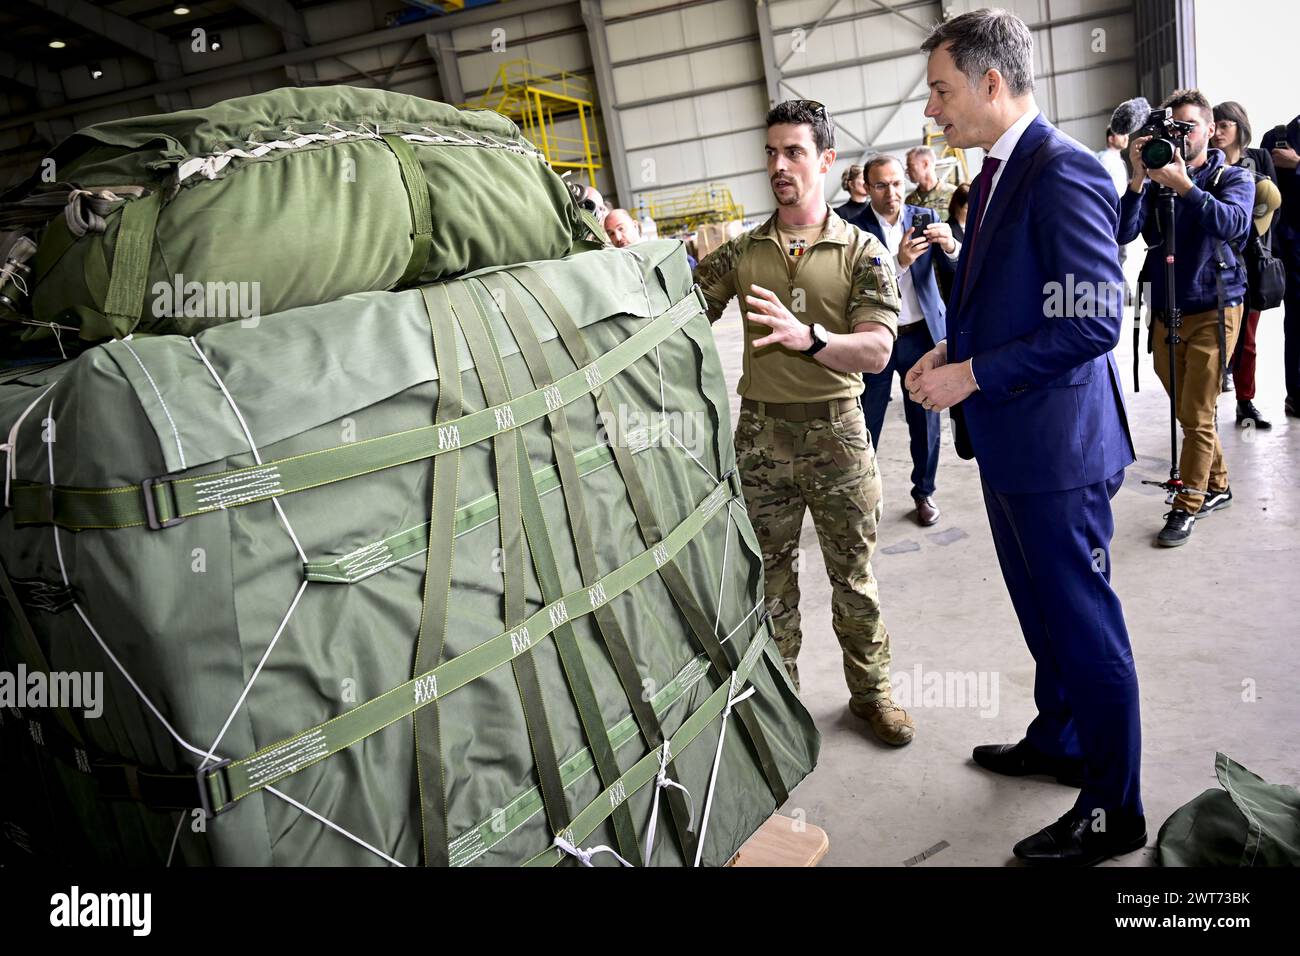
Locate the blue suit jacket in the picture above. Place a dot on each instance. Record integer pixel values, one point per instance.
(1049, 415)
(927, 289)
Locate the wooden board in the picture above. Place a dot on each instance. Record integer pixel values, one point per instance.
(781, 841)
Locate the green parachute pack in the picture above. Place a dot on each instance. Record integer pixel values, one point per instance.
(457, 575)
(265, 203)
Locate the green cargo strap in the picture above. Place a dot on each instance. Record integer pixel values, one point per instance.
(124, 301)
(645, 769)
(588, 219)
(116, 779)
(361, 563)
(228, 783)
(510, 525)
(548, 578)
(648, 520)
(29, 648)
(429, 775)
(164, 501)
(607, 625)
(417, 192)
(487, 833)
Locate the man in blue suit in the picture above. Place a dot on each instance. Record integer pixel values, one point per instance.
(921, 323)
(1036, 400)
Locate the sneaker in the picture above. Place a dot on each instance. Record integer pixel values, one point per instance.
(888, 721)
(1246, 411)
(1215, 501)
(1177, 529)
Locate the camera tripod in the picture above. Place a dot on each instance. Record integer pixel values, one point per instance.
(1165, 198)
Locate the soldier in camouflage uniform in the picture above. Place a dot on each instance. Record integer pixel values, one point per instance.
(929, 193)
(822, 306)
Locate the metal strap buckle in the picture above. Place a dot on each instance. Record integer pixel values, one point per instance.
(205, 798)
(151, 507)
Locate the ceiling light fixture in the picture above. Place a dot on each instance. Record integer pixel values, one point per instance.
(57, 44)
(96, 71)
(181, 10)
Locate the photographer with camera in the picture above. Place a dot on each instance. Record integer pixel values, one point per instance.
(1211, 204)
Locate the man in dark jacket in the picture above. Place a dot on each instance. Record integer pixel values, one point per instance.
(1211, 216)
(1286, 232)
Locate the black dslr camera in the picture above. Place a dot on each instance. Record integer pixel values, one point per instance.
(1168, 135)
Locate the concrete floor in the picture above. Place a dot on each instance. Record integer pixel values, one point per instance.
(1209, 622)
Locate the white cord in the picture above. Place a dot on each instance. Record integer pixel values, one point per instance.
(257, 456)
(63, 570)
(732, 700)
(584, 856)
(663, 781)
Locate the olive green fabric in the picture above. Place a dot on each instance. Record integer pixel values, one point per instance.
(197, 612)
(1248, 823)
(338, 190)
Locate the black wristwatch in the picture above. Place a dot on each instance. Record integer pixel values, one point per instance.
(819, 340)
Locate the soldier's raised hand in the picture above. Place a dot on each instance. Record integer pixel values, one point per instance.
(766, 309)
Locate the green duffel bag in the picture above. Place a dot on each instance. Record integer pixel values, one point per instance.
(455, 575)
(1250, 822)
(255, 205)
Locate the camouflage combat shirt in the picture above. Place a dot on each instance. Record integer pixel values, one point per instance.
(843, 279)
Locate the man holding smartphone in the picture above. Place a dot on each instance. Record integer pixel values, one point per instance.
(909, 233)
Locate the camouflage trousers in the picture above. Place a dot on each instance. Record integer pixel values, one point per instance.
(829, 468)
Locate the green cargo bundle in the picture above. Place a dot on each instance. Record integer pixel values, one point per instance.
(455, 575)
(265, 203)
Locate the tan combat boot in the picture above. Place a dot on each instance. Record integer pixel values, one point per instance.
(888, 721)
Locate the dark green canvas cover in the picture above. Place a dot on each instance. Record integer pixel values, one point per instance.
(1248, 823)
(303, 195)
(372, 610)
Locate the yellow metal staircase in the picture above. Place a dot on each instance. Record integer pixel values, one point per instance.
(536, 96)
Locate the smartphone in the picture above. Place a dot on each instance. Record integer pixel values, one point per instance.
(1279, 136)
(919, 225)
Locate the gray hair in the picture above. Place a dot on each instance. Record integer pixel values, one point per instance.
(919, 151)
(988, 39)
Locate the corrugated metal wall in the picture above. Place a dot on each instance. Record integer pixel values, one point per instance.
(691, 90)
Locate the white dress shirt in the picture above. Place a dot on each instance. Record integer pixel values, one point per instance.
(911, 312)
(1005, 146)
(1113, 160)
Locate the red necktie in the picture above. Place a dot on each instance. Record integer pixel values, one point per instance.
(985, 185)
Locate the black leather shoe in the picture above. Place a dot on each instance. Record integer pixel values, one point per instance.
(1020, 760)
(1075, 840)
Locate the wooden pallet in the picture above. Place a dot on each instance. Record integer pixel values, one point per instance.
(781, 841)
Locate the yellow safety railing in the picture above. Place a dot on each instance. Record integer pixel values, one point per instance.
(537, 97)
(934, 138)
(686, 208)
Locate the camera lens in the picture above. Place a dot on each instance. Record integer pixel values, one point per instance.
(1158, 153)
(588, 204)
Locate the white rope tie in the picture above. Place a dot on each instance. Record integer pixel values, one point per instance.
(662, 782)
(10, 447)
(584, 856)
(732, 700)
(257, 456)
(181, 741)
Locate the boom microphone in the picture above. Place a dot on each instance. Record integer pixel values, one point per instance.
(1130, 116)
